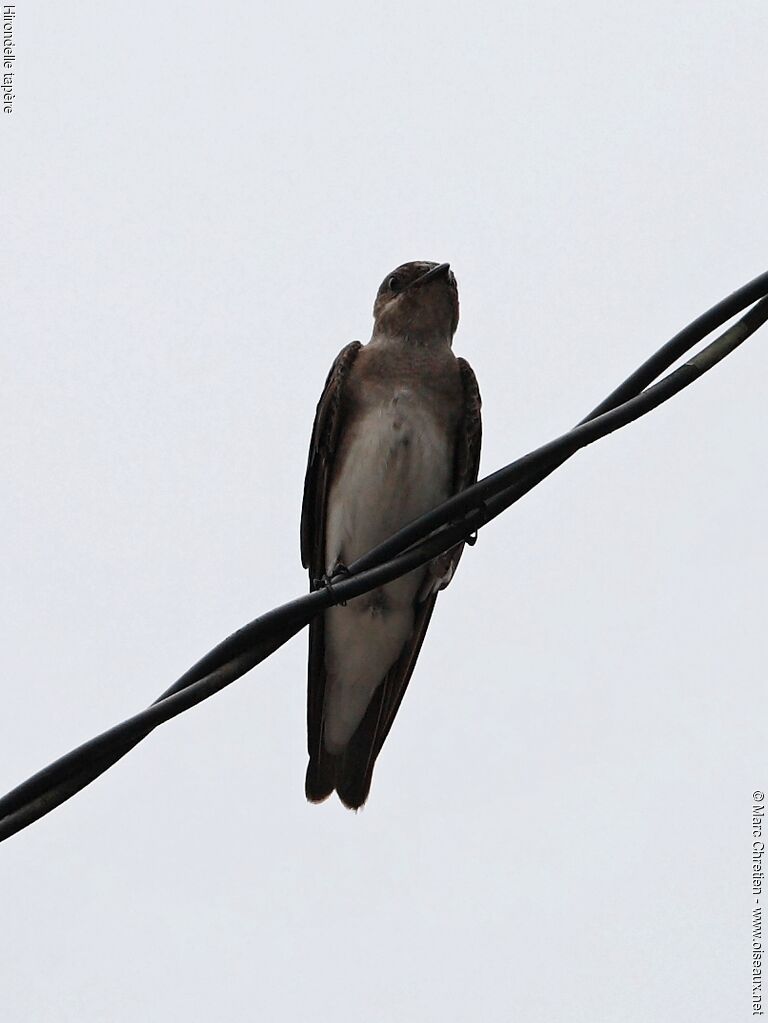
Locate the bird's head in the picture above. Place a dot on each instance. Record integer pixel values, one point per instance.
(418, 300)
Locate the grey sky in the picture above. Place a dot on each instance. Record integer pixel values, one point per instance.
(199, 202)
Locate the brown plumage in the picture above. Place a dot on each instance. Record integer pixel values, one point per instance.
(396, 431)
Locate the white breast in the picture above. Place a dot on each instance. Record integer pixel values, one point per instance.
(398, 465)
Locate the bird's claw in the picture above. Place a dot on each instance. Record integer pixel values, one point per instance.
(326, 581)
(482, 508)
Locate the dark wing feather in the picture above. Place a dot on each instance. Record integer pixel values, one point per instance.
(470, 433)
(322, 451)
(355, 770)
(467, 464)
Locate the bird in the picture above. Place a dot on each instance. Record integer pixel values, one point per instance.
(396, 432)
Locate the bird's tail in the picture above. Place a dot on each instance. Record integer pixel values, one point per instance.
(349, 773)
(321, 775)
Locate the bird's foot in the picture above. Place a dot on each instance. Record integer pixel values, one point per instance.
(326, 581)
(482, 508)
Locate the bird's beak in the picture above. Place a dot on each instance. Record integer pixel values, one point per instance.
(436, 271)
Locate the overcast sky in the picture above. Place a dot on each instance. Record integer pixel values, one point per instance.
(198, 204)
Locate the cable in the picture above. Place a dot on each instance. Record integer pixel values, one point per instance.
(420, 541)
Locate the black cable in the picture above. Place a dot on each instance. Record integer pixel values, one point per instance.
(414, 545)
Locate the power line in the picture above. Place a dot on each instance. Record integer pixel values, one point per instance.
(457, 519)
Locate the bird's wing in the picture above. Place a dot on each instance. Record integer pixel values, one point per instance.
(322, 452)
(354, 772)
(467, 464)
(470, 436)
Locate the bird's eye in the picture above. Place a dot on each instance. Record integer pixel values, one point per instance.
(394, 283)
